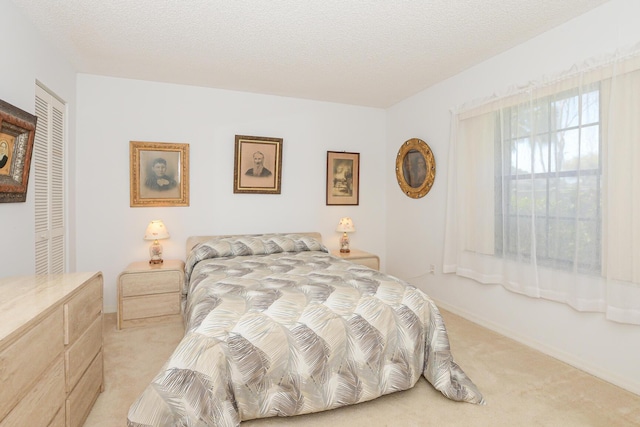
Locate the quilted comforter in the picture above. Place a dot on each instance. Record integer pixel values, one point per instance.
(276, 326)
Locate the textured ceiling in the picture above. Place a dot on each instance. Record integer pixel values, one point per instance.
(367, 52)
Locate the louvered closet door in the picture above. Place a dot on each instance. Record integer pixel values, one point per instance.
(48, 162)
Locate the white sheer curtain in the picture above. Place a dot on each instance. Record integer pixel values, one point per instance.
(544, 189)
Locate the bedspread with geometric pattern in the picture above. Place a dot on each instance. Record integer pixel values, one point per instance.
(276, 326)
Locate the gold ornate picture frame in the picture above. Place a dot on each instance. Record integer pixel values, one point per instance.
(159, 174)
(415, 168)
(258, 165)
(343, 178)
(17, 133)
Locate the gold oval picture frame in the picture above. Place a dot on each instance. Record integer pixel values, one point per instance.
(415, 168)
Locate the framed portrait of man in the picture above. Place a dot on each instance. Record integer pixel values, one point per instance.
(159, 174)
(258, 165)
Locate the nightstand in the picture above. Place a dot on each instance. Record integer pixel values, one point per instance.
(150, 293)
(359, 257)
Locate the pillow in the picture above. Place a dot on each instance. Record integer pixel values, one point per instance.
(219, 247)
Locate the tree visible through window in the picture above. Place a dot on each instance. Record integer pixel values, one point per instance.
(550, 173)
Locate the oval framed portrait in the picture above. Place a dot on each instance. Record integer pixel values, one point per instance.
(415, 168)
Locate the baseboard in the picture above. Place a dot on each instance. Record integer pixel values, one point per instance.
(625, 383)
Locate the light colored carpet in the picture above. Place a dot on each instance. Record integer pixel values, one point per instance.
(522, 387)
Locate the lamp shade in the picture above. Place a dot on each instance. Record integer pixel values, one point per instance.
(156, 231)
(346, 225)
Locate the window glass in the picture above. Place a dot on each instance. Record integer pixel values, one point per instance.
(553, 179)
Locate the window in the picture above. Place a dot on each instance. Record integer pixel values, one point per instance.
(48, 162)
(551, 172)
(544, 189)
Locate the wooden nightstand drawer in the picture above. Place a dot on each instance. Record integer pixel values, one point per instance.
(368, 262)
(359, 257)
(153, 282)
(150, 306)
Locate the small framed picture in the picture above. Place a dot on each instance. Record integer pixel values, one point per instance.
(258, 165)
(17, 133)
(343, 178)
(159, 174)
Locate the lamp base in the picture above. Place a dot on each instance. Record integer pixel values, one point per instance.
(155, 252)
(344, 243)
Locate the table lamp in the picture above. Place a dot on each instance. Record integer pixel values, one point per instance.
(345, 226)
(156, 231)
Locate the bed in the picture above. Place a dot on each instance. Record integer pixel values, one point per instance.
(277, 326)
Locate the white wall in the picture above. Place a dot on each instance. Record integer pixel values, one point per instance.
(27, 57)
(112, 112)
(415, 228)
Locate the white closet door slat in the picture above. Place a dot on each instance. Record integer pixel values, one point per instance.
(48, 161)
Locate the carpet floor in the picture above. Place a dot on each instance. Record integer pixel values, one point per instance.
(522, 386)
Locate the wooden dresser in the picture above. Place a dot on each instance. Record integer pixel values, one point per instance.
(51, 369)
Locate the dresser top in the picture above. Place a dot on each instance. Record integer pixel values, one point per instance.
(22, 298)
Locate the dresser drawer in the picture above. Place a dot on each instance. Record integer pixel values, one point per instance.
(81, 399)
(154, 282)
(82, 310)
(46, 398)
(58, 420)
(150, 306)
(80, 354)
(27, 358)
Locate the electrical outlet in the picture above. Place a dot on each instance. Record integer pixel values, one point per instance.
(432, 269)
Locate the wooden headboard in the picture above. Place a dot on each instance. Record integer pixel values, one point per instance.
(194, 240)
